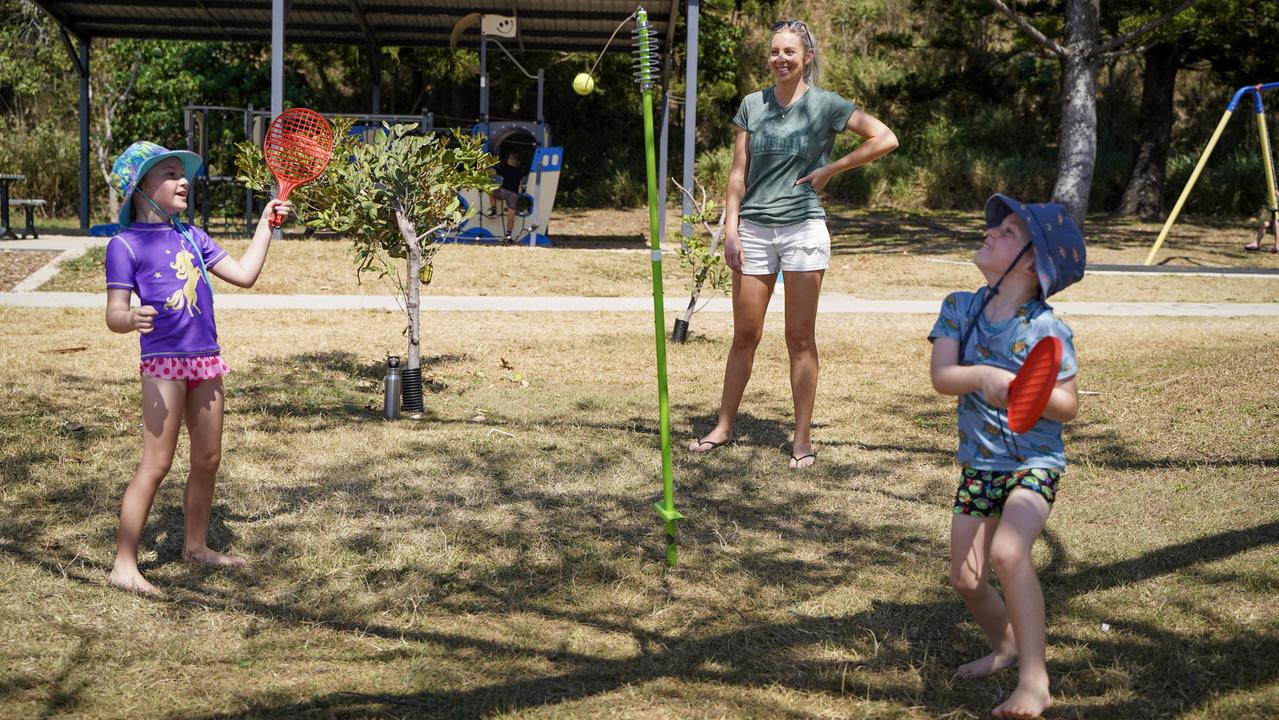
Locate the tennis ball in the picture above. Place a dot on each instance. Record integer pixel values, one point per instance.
(583, 84)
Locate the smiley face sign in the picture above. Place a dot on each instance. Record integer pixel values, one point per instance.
(499, 25)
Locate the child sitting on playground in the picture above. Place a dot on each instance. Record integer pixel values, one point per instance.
(1268, 225)
(1007, 483)
(167, 264)
(511, 174)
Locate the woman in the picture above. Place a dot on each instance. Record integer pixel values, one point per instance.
(775, 220)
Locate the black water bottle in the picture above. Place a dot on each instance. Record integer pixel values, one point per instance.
(391, 389)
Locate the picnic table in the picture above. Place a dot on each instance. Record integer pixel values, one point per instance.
(6, 233)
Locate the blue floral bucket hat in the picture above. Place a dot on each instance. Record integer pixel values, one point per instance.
(134, 163)
(1060, 254)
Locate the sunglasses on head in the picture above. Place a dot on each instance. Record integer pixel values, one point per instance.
(794, 26)
(787, 24)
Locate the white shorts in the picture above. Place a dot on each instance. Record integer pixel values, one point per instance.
(797, 247)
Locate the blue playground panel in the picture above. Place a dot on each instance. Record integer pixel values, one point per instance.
(480, 236)
(548, 159)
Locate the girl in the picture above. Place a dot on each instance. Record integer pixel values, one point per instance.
(775, 220)
(167, 265)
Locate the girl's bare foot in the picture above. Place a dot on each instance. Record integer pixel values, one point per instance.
(1027, 701)
(988, 665)
(130, 581)
(212, 557)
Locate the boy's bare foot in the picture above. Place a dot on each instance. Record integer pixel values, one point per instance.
(131, 581)
(988, 665)
(1027, 701)
(212, 557)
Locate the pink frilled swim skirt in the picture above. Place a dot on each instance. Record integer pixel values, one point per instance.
(194, 370)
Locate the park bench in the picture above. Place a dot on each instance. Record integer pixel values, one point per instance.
(30, 206)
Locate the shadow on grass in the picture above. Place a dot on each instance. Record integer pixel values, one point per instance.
(759, 654)
(328, 389)
(554, 540)
(165, 532)
(888, 232)
(599, 242)
(1110, 450)
(893, 233)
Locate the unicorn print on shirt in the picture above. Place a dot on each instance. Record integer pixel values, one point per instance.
(184, 297)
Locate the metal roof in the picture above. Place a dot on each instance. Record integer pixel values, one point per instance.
(574, 25)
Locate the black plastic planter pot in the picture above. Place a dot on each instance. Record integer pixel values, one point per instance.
(412, 391)
(680, 333)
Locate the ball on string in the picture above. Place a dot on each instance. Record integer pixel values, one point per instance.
(583, 84)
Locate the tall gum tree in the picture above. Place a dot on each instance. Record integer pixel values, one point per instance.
(1080, 51)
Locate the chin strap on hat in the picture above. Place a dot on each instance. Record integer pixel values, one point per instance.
(991, 292)
(186, 235)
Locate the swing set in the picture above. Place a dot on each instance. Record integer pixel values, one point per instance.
(1267, 162)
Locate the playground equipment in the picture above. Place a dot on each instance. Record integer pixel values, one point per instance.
(537, 197)
(1267, 161)
(212, 132)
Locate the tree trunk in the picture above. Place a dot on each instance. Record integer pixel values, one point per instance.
(1144, 194)
(412, 302)
(1077, 146)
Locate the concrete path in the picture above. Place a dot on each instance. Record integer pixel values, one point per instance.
(831, 303)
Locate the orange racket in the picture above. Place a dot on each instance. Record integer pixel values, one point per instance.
(1029, 391)
(298, 145)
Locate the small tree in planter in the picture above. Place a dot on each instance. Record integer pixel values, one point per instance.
(700, 254)
(390, 196)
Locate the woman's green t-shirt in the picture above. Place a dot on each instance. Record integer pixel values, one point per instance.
(787, 143)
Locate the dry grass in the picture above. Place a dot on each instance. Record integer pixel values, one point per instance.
(880, 255)
(513, 567)
(16, 265)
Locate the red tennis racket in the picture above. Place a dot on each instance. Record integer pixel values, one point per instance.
(1029, 391)
(298, 145)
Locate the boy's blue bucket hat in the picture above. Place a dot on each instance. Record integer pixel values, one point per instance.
(1060, 255)
(134, 163)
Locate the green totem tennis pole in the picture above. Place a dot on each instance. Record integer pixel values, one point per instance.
(645, 71)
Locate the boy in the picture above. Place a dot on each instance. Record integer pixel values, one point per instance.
(1008, 482)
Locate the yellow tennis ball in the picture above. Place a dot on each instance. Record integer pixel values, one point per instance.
(583, 84)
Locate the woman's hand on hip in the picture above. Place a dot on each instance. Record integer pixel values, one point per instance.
(817, 178)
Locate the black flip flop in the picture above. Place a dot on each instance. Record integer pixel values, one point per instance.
(803, 457)
(712, 443)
